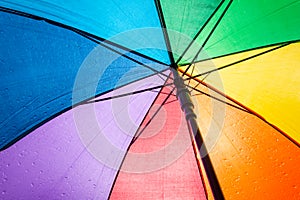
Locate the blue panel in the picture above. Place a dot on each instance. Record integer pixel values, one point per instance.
(39, 64)
(104, 18)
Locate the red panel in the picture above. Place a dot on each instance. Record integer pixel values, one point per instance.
(163, 160)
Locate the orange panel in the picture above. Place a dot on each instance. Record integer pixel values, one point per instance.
(252, 160)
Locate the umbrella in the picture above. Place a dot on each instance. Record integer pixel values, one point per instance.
(156, 99)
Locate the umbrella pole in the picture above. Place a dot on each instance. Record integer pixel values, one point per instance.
(187, 107)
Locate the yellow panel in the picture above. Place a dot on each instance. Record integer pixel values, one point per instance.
(268, 84)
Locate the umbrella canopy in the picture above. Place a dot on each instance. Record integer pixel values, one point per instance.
(91, 108)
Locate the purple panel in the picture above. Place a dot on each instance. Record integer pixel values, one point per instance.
(77, 154)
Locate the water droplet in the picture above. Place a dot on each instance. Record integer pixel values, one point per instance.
(237, 179)
(4, 179)
(41, 171)
(3, 192)
(32, 184)
(58, 148)
(63, 194)
(33, 163)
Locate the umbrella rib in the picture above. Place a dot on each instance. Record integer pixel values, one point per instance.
(253, 113)
(237, 62)
(199, 81)
(111, 189)
(208, 37)
(165, 32)
(103, 93)
(192, 73)
(199, 32)
(220, 100)
(197, 161)
(125, 56)
(153, 116)
(127, 94)
(171, 101)
(162, 93)
(242, 51)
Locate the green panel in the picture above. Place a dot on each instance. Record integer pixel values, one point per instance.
(250, 24)
(192, 51)
(184, 19)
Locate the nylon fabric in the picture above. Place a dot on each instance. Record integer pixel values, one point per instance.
(104, 19)
(250, 24)
(268, 84)
(161, 163)
(184, 19)
(252, 160)
(40, 63)
(199, 41)
(77, 154)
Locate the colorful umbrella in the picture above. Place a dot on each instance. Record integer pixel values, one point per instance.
(150, 100)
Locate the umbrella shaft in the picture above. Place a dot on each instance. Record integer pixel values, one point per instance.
(187, 107)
